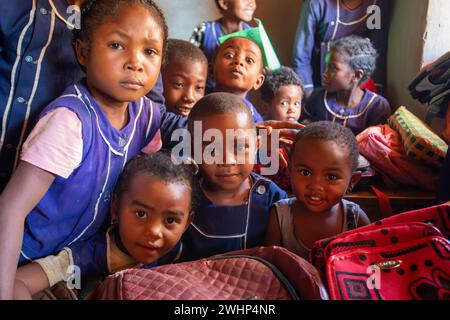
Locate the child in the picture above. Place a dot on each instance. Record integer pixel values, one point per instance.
(38, 62)
(281, 95)
(239, 67)
(235, 16)
(323, 21)
(322, 167)
(184, 76)
(71, 160)
(234, 203)
(350, 62)
(151, 208)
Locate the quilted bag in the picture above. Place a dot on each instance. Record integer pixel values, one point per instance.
(406, 256)
(420, 143)
(268, 273)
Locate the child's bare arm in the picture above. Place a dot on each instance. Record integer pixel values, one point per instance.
(363, 219)
(30, 279)
(25, 189)
(273, 233)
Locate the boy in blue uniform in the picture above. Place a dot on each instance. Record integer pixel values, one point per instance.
(234, 203)
(235, 16)
(241, 61)
(37, 63)
(323, 21)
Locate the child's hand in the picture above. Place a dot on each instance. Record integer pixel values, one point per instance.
(287, 131)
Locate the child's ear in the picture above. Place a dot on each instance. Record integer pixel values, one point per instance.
(82, 52)
(114, 208)
(259, 82)
(359, 74)
(356, 176)
(223, 4)
(190, 219)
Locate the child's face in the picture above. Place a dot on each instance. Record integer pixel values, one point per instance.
(321, 172)
(152, 216)
(287, 104)
(241, 9)
(238, 65)
(184, 84)
(123, 58)
(338, 75)
(238, 158)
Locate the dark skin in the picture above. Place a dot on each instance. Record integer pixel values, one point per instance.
(133, 52)
(321, 173)
(228, 183)
(341, 79)
(235, 13)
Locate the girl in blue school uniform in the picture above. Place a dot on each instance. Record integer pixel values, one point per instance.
(323, 21)
(234, 202)
(152, 206)
(350, 62)
(235, 16)
(38, 63)
(62, 188)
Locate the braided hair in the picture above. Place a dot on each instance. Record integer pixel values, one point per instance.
(358, 52)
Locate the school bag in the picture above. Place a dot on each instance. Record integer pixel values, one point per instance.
(403, 257)
(264, 273)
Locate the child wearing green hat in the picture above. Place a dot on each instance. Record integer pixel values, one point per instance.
(240, 63)
(236, 14)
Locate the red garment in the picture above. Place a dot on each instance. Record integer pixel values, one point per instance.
(282, 177)
(382, 146)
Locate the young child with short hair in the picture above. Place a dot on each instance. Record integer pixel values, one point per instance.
(234, 203)
(322, 166)
(282, 94)
(350, 61)
(62, 188)
(235, 16)
(239, 66)
(153, 204)
(184, 76)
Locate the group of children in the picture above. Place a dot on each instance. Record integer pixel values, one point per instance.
(93, 190)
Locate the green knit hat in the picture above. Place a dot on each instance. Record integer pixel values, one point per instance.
(260, 37)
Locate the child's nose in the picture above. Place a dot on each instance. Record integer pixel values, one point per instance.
(189, 95)
(134, 62)
(153, 231)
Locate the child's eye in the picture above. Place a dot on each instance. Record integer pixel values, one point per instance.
(200, 88)
(331, 177)
(141, 214)
(170, 220)
(297, 104)
(150, 52)
(284, 104)
(305, 173)
(178, 85)
(229, 55)
(116, 46)
(250, 60)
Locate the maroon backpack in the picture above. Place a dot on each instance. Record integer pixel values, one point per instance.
(266, 273)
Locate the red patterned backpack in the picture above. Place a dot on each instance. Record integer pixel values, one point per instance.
(404, 257)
